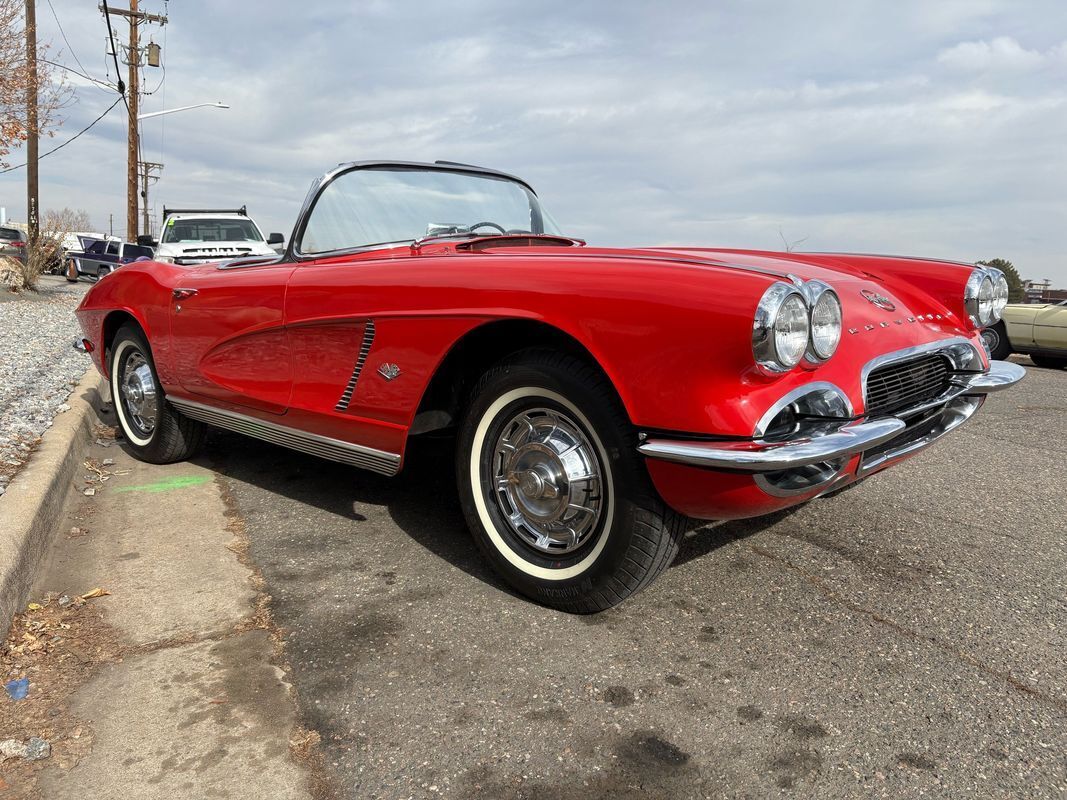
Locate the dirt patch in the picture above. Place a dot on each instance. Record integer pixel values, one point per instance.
(56, 648)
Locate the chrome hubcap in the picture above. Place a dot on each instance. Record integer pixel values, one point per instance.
(548, 480)
(139, 395)
(991, 339)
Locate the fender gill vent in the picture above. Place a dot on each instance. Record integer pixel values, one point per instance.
(361, 359)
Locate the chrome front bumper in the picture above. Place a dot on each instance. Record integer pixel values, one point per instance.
(758, 455)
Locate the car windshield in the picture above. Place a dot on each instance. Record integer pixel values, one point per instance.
(206, 229)
(377, 206)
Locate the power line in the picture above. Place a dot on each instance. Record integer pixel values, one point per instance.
(90, 78)
(64, 35)
(71, 139)
(114, 55)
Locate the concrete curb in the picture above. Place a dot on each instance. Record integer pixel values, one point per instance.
(34, 499)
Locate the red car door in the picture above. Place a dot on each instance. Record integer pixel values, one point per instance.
(228, 335)
(365, 344)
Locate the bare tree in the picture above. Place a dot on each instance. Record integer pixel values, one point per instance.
(52, 90)
(49, 253)
(790, 245)
(72, 219)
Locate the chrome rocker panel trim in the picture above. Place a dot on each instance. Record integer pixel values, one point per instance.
(322, 446)
(852, 438)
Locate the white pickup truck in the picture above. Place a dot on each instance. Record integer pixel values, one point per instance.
(197, 236)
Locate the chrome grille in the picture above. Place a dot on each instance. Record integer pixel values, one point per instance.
(898, 385)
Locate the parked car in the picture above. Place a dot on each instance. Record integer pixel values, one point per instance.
(1038, 330)
(598, 396)
(99, 257)
(196, 236)
(13, 244)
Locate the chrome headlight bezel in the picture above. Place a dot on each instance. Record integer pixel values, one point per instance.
(765, 327)
(985, 295)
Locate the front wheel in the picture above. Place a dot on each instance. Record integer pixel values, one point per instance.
(553, 488)
(995, 339)
(155, 431)
(1050, 362)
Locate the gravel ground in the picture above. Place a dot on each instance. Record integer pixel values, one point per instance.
(38, 366)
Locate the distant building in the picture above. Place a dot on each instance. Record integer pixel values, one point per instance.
(1042, 292)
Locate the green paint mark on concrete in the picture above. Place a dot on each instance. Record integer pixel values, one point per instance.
(177, 482)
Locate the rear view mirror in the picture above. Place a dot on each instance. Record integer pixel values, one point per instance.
(275, 238)
(145, 240)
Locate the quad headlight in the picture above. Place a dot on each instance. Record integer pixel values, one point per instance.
(794, 320)
(985, 295)
(825, 320)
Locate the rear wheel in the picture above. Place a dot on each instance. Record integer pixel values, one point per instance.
(1051, 362)
(155, 430)
(554, 491)
(995, 338)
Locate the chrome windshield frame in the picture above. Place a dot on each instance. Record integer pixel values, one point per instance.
(293, 252)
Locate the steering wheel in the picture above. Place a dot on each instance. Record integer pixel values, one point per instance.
(483, 224)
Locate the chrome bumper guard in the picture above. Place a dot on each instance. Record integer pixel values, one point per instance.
(854, 437)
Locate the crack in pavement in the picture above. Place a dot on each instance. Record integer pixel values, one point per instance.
(960, 655)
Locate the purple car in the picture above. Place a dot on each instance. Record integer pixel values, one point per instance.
(99, 257)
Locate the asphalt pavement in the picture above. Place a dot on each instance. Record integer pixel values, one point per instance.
(904, 638)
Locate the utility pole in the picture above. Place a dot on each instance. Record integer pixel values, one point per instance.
(132, 145)
(133, 58)
(32, 205)
(146, 175)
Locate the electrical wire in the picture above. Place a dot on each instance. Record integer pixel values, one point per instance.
(101, 84)
(71, 139)
(64, 35)
(114, 55)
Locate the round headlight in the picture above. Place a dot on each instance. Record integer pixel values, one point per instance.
(1000, 296)
(825, 325)
(985, 301)
(780, 328)
(791, 331)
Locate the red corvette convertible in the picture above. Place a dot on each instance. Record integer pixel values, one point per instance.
(599, 396)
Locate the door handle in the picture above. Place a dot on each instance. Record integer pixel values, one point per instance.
(182, 294)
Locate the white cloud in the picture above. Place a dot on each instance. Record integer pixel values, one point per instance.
(910, 127)
(1002, 53)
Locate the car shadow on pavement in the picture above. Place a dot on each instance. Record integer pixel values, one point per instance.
(422, 500)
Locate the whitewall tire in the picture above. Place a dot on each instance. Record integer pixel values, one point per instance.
(154, 430)
(553, 488)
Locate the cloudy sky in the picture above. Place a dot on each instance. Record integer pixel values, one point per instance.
(933, 127)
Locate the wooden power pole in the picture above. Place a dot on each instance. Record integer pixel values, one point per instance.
(133, 57)
(132, 147)
(32, 205)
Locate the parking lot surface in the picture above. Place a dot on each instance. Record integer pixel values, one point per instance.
(903, 638)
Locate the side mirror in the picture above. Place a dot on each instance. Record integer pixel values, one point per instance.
(275, 238)
(145, 240)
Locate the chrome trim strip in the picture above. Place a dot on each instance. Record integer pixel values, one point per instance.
(952, 416)
(361, 359)
(760, 456)
(1001, 375)
(311, 443)
(796, 394)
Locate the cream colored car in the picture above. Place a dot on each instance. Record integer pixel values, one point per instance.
(1039, 331)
